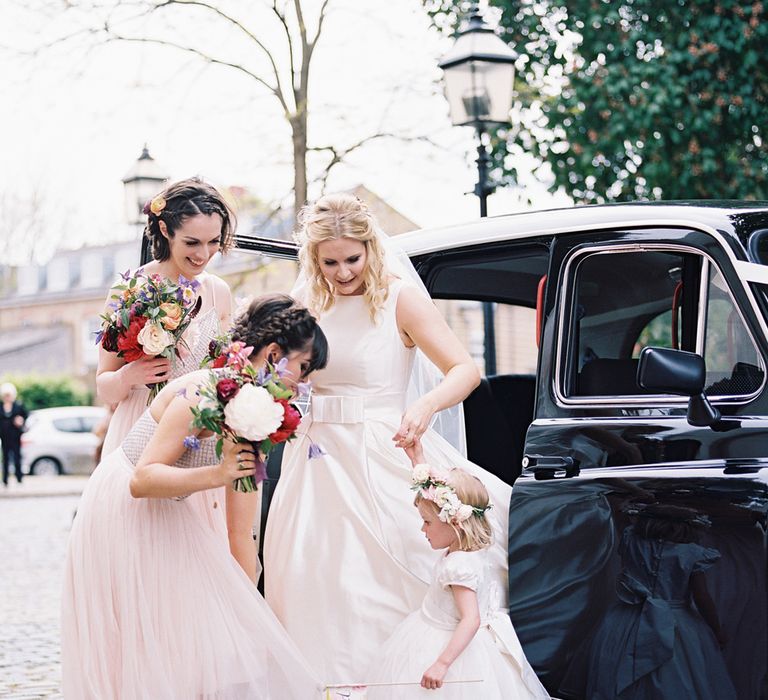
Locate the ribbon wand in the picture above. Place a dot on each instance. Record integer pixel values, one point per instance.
(365, 686)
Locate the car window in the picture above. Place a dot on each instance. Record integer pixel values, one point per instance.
(626, 300)
(514, 333)
(623, 301)
(488, 297)
(657, 333)
(733, 363)
(68, 425)
(89, 423)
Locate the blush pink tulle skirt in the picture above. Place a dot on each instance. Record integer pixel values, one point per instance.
(154, 606)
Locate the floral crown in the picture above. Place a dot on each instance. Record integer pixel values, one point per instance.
(432, 485)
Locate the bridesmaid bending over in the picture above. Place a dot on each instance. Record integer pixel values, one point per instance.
(154, 604)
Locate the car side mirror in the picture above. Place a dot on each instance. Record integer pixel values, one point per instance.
(678, 372)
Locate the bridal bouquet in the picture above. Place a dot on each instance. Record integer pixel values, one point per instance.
(147, 317)
(245, 405)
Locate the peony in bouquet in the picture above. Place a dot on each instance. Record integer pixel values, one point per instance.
(147, 317)
(245, 405)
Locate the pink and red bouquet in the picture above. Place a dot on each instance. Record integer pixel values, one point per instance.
(147, 317)
(245, 405)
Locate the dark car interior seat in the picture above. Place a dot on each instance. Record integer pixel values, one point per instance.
(496, 416)
(607, 377)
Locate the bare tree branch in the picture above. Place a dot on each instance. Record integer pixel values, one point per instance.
(25, 226)
(320, 24)
(306, 55)
(206, 57)
(239, 25)
(110, 21)
(339, 154)
(292, 61)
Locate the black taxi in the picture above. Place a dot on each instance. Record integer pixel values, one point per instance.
(638, 443)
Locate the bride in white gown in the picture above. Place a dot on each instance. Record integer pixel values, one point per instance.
(344, 558)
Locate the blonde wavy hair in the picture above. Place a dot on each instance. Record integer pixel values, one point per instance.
(475, 532)
(332, 217)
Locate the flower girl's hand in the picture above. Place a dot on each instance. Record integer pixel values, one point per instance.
(147, 370)
(415, 452)
(238, 459)
(433, 676)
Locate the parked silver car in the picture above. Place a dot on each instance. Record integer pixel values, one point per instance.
(60, 440)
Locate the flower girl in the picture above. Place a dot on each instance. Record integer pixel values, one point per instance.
(459, 640)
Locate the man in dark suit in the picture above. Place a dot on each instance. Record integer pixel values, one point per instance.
(12, 418)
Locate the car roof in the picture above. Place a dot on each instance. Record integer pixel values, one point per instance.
(718, 217)
(63, 411)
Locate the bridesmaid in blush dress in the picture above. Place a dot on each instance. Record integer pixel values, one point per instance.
(154, 604)
(187, 224)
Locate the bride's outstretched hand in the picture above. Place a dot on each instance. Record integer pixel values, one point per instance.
(238, 459)
(414, 423)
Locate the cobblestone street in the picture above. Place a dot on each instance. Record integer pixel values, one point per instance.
(32, 547)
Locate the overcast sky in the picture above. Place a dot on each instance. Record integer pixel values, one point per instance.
(72, 123)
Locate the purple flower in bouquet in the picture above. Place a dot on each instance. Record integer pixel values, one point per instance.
(315, 451)
(281, 368)
(191, 442)
(187, 291)
(261, 471)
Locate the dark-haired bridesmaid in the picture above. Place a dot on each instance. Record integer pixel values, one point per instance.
(187, 224)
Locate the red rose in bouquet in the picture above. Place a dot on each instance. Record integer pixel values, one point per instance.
(128, 343)
(291, 420)
(226, 389)
(109, 340)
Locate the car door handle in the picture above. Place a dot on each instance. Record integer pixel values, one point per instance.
(550, 466)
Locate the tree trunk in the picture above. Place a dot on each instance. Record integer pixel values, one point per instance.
(299, 132)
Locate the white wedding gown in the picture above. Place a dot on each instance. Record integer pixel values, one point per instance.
(344, 558)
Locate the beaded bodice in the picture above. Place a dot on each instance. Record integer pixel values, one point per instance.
(198, 335)
(144, 428)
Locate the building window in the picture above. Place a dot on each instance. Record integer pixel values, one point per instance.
(58, 275)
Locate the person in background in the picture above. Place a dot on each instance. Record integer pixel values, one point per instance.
(13, 415)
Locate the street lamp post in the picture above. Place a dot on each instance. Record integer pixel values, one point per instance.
(142, 182)
(479, 84)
